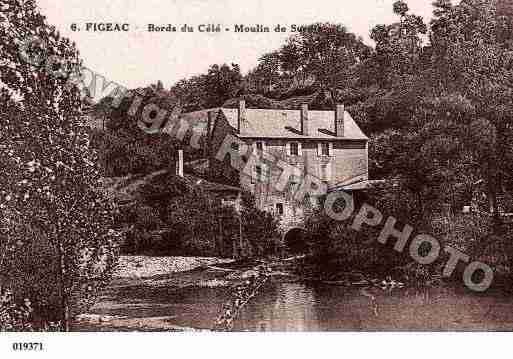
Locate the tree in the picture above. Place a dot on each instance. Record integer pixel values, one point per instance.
(212, 89)
(328, 52)
(259, 228)
(126, 148)
(267, 74)
(399, 46)
(400, 8)
(471, 48)
(50, 182)
(207, 227)
(221, 83)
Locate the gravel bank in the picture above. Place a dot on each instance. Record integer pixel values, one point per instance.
(145, 267)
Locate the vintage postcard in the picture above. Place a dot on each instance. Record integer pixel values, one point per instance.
(267, 166)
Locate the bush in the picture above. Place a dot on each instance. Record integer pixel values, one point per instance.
(30, 269)
(14, 317)
(30, 266)
(335, 247)
(204, 226)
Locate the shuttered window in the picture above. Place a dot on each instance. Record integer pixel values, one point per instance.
(294, 149)
(325, 149)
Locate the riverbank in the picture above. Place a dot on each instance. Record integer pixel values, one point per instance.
(147, 294)
(146, 266)
(154, 293)
(190, 294)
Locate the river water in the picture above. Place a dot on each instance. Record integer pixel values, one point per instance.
(301, 307)
(282, 305)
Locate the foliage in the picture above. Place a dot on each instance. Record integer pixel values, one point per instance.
(320, 56)
(50, 178)
(171, 215)
(254, 101)
(14, 317)
(124, 148)
(267, 76)
(335, 247)
(207, 227)
(259, 228)
(328, 52)
(212, 89)
(439, 116)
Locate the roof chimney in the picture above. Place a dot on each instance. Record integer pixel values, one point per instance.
(304, 119)
(241, 116)
(179, 164)
(339, 120)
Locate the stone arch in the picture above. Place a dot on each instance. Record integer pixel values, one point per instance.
(295, 240)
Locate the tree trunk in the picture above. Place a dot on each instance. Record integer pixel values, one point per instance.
(333, 95)
(65, 312)
(492, 193)
(492, 201)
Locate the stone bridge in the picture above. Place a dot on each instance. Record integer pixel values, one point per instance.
(293, 234)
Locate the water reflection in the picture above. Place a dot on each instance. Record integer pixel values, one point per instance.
(301, 307)
(283, 307)
(293, 306)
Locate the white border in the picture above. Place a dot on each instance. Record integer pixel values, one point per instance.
(261, 345)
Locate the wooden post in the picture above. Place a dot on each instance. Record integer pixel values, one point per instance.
(179, 164)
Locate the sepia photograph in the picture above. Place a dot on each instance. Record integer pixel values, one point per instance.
(228, 171)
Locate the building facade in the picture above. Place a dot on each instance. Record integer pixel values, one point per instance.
(326, 144)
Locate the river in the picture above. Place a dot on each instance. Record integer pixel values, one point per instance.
(300, 307)
(283, 305)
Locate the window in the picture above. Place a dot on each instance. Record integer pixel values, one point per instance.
(325, 171)
(325, 149)
(279, 209)
(258, 172)
(294, 149)
(260, 146)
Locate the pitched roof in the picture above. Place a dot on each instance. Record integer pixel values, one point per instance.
(287, 124)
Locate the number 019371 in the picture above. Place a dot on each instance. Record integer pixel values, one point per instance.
(34, 346)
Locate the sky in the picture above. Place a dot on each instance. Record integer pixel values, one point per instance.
(138, 57)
